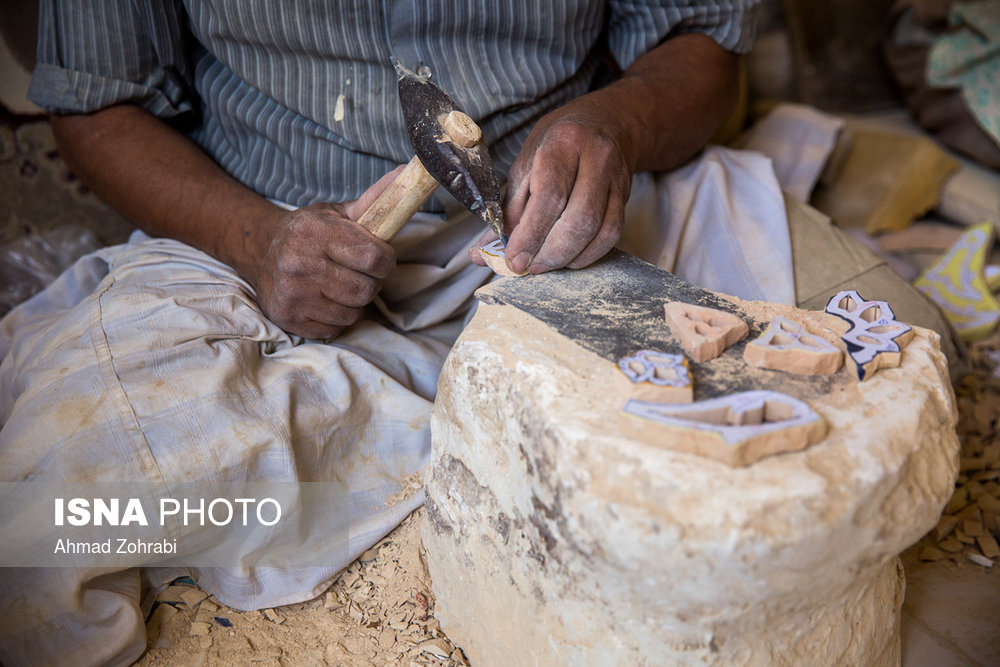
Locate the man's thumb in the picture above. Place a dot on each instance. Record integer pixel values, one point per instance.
(357, 208)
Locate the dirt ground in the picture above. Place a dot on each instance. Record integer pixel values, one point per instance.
(379, 612)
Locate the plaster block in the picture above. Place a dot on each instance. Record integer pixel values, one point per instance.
(656, 376)
(738, 429)
(553, 537)
(873, 337)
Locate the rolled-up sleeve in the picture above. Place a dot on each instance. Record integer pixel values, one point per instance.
(96, 53)
(635, 27)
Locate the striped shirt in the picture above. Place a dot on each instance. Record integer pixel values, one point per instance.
(297, 99)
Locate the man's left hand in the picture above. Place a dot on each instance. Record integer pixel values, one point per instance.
(567, 190)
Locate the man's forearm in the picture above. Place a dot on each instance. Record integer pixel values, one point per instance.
(165, 184)
(313, 269)
(674, 97)
(567, 189)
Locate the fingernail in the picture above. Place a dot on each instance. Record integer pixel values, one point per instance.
(539, 267)
(520, 263)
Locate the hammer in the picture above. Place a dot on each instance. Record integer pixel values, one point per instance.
(449, 151)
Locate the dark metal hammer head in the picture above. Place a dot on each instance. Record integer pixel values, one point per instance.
(461, 164)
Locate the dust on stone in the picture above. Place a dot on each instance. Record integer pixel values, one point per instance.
(615, 308)
(378, 612)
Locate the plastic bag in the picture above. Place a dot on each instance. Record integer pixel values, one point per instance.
(30, 262)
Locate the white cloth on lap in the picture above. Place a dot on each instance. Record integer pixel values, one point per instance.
(727, 227)
(151, 361)
(799, 139)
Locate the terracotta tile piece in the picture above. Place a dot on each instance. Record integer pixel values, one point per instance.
(704, 333)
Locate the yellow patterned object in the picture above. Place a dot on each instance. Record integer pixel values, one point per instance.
(957, 283)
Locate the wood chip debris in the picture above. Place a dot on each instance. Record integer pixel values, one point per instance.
(439, 648)
(379, 611)
(199, 628)
(972, 528)
(979, 559)
(274, 616)
(969, 527)
(929, 553)
(189, 595)
(988, 545)
(193, 596)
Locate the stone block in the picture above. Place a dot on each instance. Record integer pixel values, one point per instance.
(554, 538)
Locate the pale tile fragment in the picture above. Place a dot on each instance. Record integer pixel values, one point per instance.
(704, 333)
(788, 346)
(496, 258)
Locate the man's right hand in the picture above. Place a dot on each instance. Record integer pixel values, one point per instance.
(314, 269)
(322, 268)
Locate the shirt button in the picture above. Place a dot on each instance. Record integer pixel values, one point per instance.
(424, 71)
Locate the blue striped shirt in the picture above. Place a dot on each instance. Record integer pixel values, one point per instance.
(297, 98)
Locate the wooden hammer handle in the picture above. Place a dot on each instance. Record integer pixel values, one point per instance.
(398, 202)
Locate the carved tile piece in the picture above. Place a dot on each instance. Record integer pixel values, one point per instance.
(658, 376)
(875, 339)
(496, 258)
(738, 429)
(787, 346)
(704, 333)
(959, 282)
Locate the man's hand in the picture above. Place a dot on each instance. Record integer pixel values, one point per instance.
(313, 269)
(567, 189)
(321, 267)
